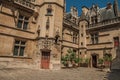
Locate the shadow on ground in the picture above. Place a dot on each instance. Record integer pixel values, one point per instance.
(114, 75)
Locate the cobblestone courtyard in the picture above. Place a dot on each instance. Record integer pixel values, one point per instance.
(64, 74)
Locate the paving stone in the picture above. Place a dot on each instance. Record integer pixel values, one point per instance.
(63, 74)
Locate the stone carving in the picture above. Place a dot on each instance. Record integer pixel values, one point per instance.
(57, 36)
(38, 31)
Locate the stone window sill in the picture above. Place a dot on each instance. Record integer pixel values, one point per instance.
(20, 57)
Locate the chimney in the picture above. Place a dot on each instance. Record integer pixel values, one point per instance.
(109, 6)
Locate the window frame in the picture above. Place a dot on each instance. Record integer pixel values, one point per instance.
(81, 43)
(75, 38)
(116, 41)
(95, 38)
(94, 19)
(20, 45)
(49, 10)
(24, 19)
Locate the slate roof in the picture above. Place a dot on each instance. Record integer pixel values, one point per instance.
(103, 13)
(106, 13)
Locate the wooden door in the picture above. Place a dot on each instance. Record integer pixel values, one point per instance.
(45, 61)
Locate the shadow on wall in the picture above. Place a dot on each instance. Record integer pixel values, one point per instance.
(114, 75)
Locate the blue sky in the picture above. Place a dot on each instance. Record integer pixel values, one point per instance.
(87, 3)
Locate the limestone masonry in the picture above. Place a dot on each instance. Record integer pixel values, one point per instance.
(37, 33)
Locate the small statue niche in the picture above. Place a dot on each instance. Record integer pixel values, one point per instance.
(57, 35)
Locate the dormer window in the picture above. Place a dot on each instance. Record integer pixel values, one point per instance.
(94, 19)
(49, 10)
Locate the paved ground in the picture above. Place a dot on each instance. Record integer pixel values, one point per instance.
(114, 75)
(64, 74)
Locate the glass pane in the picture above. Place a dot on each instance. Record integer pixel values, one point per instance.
(26, 18)
(23, 42)
(21, 17)
(92, 40)
(16, 51)
(25, 25)
(96, 39)
(21, 51)
(92, 35)
(19, 25)
(17, 42)
(96, 35)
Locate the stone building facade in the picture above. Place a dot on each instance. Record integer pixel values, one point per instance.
(36, 33)
(31, 33)
(70, 33)
(101, 29)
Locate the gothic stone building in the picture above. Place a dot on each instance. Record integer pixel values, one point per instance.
(99, 32)
(29, 32)
(36, 33)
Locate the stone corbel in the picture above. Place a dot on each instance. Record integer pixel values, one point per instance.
(35, 15)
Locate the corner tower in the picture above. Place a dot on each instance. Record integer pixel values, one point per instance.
(49, 22)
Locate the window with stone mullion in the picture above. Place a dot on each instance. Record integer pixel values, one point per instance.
(25, 24)
(92, 38)
(19, 48)
(74, 38)
(22, 22)
(96, 38)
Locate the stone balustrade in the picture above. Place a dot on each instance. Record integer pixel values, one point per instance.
(69, 22)
(104, 23)
(25, 3)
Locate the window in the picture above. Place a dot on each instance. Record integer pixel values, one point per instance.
(81, 43)
(82, 35)
(75, 38)
(94, 19)
(94, 38)
(49, 10)
(74, 51)
(19, 48)
(22, 22)
(116, 41)
(80, 53)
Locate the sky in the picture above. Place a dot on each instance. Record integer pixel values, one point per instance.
(87, 3)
